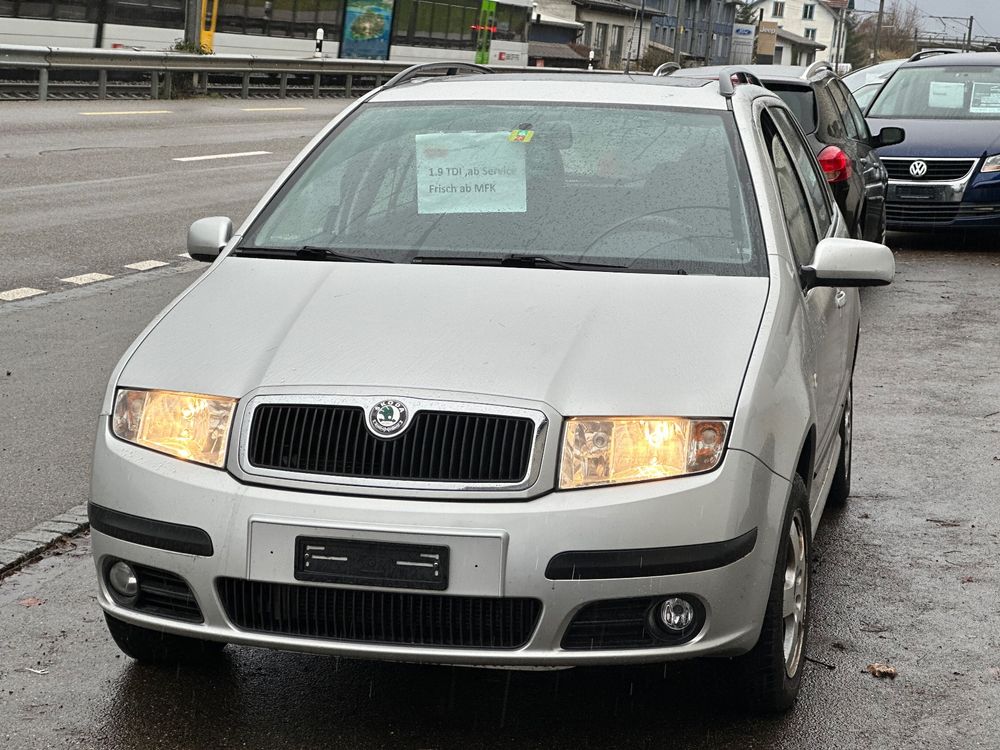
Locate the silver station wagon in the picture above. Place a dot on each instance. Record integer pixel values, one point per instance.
(521, 370)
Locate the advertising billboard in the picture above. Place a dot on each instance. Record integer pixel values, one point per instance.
(367, 25)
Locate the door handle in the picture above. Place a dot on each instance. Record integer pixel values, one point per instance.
(840, 298)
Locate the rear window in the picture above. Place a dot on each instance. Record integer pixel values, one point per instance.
(646, 189)
(801, 100)
(952, 92)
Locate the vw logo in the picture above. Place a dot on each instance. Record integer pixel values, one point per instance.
(918, 168)
(387, 417)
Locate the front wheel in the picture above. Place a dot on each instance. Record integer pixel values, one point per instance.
(772, 670)
(153, 647)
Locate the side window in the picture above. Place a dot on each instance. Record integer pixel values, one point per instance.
(793, 199)
(812, 180)
(853, 111)
(845, 114)
(831, 127)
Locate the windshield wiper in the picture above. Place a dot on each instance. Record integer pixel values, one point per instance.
(516, 260)
(313, 252)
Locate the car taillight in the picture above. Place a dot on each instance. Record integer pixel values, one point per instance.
(836, 166)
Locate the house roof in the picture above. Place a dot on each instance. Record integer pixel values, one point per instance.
(798, 41)
(549, 20)
(553, 51)
(616, 6)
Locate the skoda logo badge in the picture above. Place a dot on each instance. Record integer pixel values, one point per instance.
(387, 417)
(918, 168)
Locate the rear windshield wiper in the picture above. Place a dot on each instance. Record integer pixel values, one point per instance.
(313, 252)
(516, 260)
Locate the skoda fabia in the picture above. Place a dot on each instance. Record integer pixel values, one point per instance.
(509, 370)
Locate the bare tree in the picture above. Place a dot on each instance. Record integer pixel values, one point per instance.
(900, 24)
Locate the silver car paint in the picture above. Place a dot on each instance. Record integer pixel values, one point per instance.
(774, 413)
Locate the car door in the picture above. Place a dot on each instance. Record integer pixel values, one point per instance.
(874, 179)
(809, 217)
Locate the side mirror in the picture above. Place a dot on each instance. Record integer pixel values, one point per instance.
(207, 237)
(840, 261)
(888, 137)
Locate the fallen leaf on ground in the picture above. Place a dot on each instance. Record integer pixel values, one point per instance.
(968, 579)
(881, 670)
(31, 601)
(36, 671)
(838, 645)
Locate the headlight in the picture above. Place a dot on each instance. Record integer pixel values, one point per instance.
(183, 425)
(609, 450)
(992, 164)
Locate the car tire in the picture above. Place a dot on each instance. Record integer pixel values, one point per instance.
(154, 647)
(771, 672)
(840, 488)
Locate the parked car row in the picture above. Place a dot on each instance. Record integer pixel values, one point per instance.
(922, 153)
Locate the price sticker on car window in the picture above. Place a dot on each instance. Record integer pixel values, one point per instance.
(985, 99)
(946, 95)
(474, 173)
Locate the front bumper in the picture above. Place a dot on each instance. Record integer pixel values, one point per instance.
(499, 549)
(973, 204)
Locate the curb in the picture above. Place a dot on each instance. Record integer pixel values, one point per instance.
(27, 545)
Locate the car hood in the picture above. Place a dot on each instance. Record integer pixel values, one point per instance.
(941, 138)
(586, 343)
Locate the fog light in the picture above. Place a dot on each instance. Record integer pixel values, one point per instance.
(676, 614)
(123, 580)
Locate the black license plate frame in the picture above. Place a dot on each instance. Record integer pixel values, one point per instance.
(363, 562)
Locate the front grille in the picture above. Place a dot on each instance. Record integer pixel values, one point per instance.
(407, 619)
(929, 214)
(624, 623)
(165, 594)
(944, 170)
(437, 447)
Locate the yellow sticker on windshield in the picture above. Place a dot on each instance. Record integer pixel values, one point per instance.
(520, 136)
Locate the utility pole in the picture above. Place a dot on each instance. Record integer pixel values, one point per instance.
(638, 49)
(878, 30)
(709, 33)
(192, 23)
(968, 44)
(679, 33)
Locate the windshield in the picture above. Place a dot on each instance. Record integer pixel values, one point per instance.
(864, 95)
(871, 74)
(643, 189)
(952, 92)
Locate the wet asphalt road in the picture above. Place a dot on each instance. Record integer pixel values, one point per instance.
(906, 574)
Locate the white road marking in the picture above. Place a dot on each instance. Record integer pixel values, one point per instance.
(87, 278)
(221, 156)
(145, 265)
(272, 109)
(20, 293)
(130, 112)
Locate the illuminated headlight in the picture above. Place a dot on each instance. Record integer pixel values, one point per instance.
(183, 425)
(609, 450)
(992, 164)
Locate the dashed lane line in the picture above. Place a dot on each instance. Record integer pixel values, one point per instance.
(87, 278)
(221, 156)
(20, 293)
(145, 265)
(130, 112)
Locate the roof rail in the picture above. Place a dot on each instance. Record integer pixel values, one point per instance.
(447, 68)
(666, 69)
(730, 76)
(932, 52)
(816, 67)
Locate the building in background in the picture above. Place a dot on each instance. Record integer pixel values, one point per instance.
(421, 30)
(553, 42)
(704, 31)
(615, 30)
(809, 30)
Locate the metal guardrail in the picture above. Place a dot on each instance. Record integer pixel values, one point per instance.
(275, 75)
(355, 76)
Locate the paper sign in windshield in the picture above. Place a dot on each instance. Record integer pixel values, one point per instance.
(985, 99)
(946, 95)
(470, 173)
